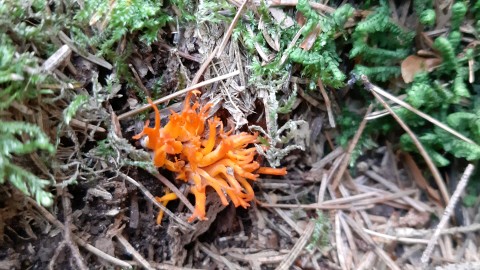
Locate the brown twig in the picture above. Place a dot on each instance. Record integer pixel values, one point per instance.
(229, 32)
(328, 103)
(351, 146)
(180, 53)
(178, 93)
(139, 80)
(130, 249)
(67, 213)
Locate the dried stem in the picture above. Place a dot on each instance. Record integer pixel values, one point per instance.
(152, 199)
(446, 214)
(351, 146)
(178, 93)
(130, 249)
(229, 32)
(302, 241)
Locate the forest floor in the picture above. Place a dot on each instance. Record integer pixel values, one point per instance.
(353, 197)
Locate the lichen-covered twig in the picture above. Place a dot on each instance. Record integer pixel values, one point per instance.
(448, 211)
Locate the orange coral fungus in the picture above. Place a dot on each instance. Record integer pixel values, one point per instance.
(213, 157)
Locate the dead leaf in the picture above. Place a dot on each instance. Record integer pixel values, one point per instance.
(414, 64)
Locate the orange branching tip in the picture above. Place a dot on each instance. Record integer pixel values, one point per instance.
(203, 154)
(272, 171)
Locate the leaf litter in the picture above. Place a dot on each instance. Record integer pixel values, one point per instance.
(358, 218)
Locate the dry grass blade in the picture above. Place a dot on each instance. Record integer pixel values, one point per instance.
(436, 174)
(302, 241)
(448, 211)
(419, 178)
(351, 146)
(350, 202)
(178, 93)
(290, 45)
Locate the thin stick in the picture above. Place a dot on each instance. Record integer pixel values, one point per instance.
(67, 211)
(315, 5)
(436, 175)
(302, 241)
(77, 239)
(204, 66)
(175, 190)
(351, 146)
(446, 214)
(178, 93)
(328, 103)
(380, 252)
(229, 32)
(152, 199)
(130, 249)
(180, 53)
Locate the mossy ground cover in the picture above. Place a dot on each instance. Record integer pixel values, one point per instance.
(78, 192)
